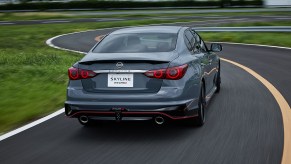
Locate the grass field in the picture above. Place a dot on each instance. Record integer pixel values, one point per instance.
(80, 14)
(269, 23)
(34, 76)
(276, 39)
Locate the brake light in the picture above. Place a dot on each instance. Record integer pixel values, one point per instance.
(173, 73)
(158, 74)
(76, 74)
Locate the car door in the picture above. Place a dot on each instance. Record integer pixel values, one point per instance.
(207, 61)
(198, 52)
(212, 61)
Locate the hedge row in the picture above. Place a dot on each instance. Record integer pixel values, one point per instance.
(124, 4)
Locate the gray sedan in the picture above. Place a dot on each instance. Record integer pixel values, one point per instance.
(145, 73)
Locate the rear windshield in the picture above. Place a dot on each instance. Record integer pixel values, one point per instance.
(137, 43)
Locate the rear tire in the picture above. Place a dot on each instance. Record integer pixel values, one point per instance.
(200, 120)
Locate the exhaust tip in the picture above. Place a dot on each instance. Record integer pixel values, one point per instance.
(84, 119)
(68, 110)
(159, 120)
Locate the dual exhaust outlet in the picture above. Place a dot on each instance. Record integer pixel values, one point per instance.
(158, 120)
(84, 119)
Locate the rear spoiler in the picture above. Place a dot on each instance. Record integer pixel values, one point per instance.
(162, 57)
(121, 60)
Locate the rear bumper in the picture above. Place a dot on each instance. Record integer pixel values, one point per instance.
(132, 111)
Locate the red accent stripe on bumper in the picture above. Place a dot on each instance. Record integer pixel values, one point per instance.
(135, 113)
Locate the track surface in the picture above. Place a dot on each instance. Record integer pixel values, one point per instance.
(244, 122)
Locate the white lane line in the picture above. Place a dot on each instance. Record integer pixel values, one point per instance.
(216, 17)
(273, 16)
(165, 18)
(30, 125)
(49, 43)
(283, 18)
(236, 19)
(109, 19)
(64, 21)
(6, 23)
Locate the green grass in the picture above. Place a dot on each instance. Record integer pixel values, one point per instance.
(276, 39)
(269, 23)
(74, 15)
(32, 16)
(34, 76)
(32, 83)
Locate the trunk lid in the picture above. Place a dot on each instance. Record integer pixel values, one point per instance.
(123, 73)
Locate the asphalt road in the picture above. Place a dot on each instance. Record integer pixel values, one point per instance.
(244, 122)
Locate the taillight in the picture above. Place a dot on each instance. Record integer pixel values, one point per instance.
(173, 73)
(76, 74)
(158, 74)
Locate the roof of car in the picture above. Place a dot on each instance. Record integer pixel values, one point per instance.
(149, 29)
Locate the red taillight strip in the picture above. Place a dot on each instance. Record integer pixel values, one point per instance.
(73, 73)
(135, 113)
(76, 74)
(172, 73)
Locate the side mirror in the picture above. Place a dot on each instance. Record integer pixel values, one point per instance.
(216, 47)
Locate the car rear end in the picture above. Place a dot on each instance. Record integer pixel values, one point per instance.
(131, 85)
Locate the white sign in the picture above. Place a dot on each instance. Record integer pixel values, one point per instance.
(282, 3)
(120, 80)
